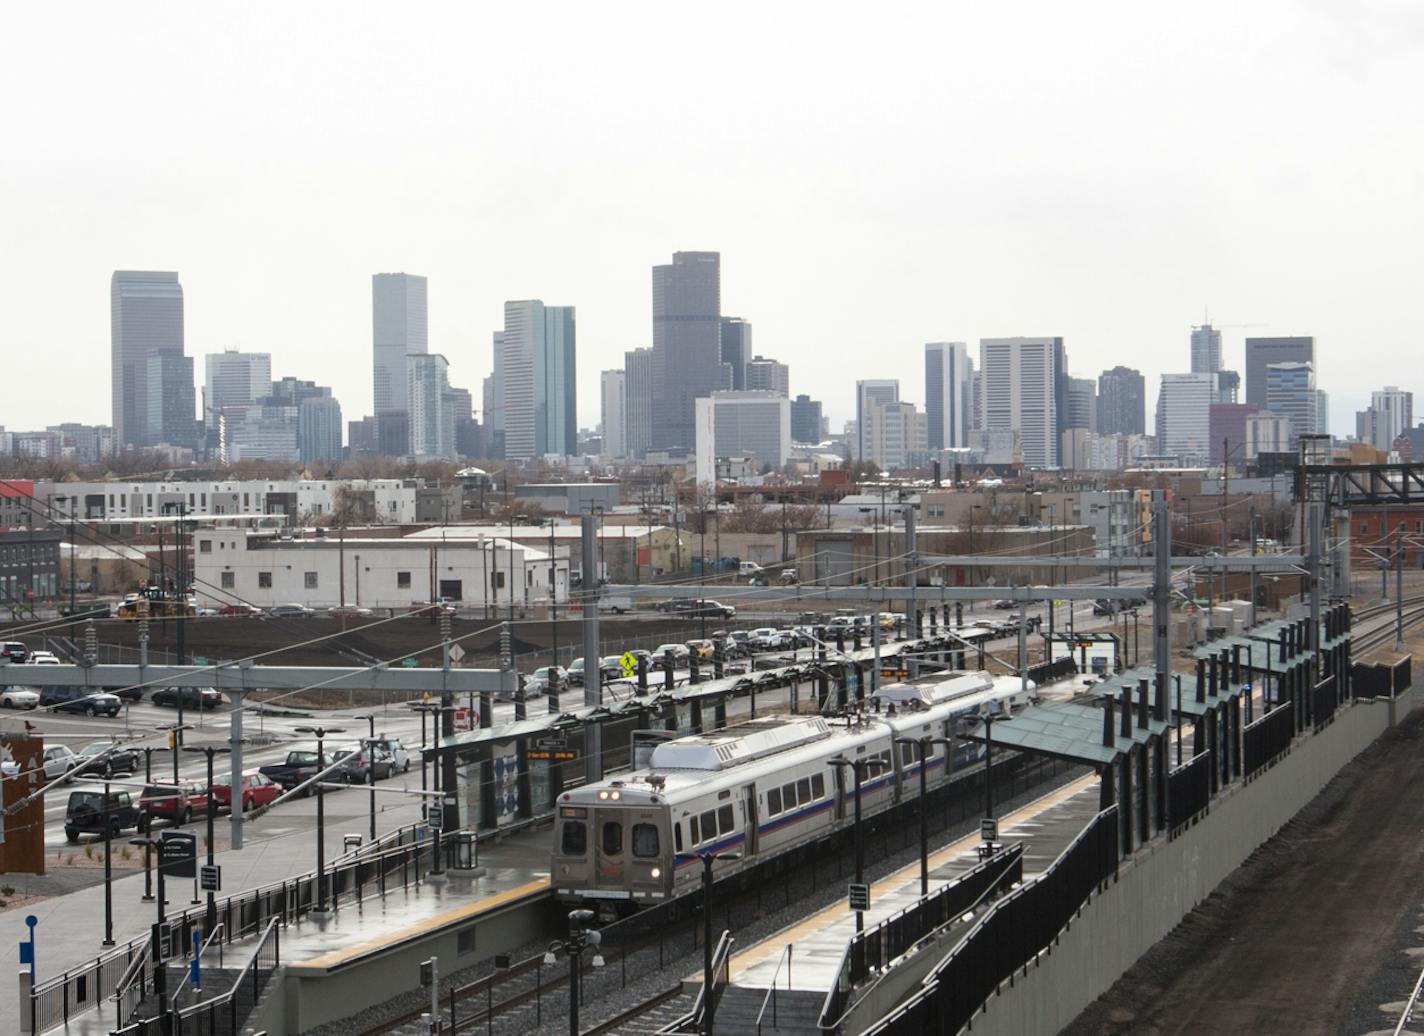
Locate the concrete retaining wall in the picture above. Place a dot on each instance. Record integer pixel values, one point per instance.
(1162, 881)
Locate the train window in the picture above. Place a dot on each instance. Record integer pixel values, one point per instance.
(645, 841)
(575, 840)
(612, 838)
(803, 790)
(677, 836)
(725, 820)
(692, 830)
(773, 802)
(818, 786)
(709, 825)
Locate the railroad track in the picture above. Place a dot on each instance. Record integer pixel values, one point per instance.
(642, 1018)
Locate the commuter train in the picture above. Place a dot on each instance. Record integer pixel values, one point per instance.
(760, 787)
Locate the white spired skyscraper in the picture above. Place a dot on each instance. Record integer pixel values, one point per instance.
(399, 329)
(949, 394)
(145, 320)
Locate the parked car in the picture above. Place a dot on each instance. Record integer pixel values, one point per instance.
(1106, 606)
(240, 611)
(680, 654)
(610, 667)
(399, 753)
(544, 678)
(291, 611)
(257, 790)
(616, 605)
(57, 761)
(301, 764)
(361, 761)
(134, 693)
(19, 698)
(43, 658)
(575, 672)
(433, 609)
(14, 651)
(739, 642)
(178, 802)
(1003, 605)
(702, 648)
(81, 700)
(768, 638)
(192, 697)
(336, 611)
(87, 811)
(118, 760)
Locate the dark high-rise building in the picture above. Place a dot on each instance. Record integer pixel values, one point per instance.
(1228, 432)
(949, 394)
(145, 320)
(805, 419)
(1262, 352)
(687, 345)
(171, 401)
(1122, 402)
(736, 339)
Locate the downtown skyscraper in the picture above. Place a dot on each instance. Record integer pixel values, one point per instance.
(399, 328)
(145, 323)
(949, 394)
(535, 365)
(687, 345)
(1025, 383)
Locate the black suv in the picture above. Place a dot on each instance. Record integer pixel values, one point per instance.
(80, 699)
(86, 812)
(14, 651)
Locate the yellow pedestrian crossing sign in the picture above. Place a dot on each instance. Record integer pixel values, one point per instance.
(629, 663)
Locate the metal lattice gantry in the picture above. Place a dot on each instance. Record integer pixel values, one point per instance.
(1348, 485)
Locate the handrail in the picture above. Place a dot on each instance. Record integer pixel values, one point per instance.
(692, 1020)
(202, 949)
(771, 992)
(220, 998)
(1408, 1013)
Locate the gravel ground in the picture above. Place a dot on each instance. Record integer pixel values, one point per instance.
(604, 992)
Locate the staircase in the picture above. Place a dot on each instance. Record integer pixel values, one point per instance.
(797, 1011)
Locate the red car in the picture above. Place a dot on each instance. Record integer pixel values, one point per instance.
(242, 611)
(176, 802)
(257, 790)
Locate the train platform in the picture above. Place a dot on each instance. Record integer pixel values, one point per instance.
(1046, 826)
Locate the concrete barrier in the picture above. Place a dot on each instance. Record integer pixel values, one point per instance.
(1162, 881)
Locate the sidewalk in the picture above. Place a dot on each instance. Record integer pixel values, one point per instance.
(71, 926)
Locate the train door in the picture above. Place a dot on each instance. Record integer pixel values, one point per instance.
(610, 848)
(752, 818)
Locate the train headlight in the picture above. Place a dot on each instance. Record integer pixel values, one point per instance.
(656, 872)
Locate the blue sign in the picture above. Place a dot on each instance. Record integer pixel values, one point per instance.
(195, 970)
(27, 948)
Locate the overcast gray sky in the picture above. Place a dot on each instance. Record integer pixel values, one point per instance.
(875, 177)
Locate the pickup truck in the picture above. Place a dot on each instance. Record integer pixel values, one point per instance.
(301, 764)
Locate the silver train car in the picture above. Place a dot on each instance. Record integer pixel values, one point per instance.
(756, 789)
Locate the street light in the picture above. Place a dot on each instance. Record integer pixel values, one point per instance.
(708, 859)
(370, 718)
(581, 937)
(923, 743)
(320, 733)
(234, 802)
(435, 710)
(856, 765)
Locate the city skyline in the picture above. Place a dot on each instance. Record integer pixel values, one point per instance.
(276, 209)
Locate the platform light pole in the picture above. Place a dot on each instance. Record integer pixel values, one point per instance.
(922, 744)
(320, 733)
(707, 860)
(235, 802)
(370, 718)
(582, 936)
(856, 766)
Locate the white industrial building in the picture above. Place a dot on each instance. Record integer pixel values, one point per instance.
(319, 569)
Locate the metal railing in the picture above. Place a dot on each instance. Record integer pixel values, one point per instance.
(203, 948)
(134, 984)
(1008, 936)
(1188, 792)
(770, 998)
(1268, 738)
(707, 998)
(207, 1017)
(876, 947)
(56, 1000)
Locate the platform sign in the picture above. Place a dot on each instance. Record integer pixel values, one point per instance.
(178, 854)
(210, 877)
(409, 663)
(628, 662)
(554, 756)
(858, 896)
(989, 829)
(463, 719)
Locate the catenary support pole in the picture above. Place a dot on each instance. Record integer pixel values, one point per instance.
(592, 678)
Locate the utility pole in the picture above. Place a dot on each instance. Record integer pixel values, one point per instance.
(1398, 587)
(1161, 587)
(912, 564)
(592, 678)
(1253, 565)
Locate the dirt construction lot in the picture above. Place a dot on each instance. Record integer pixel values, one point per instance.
(1320, 933)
